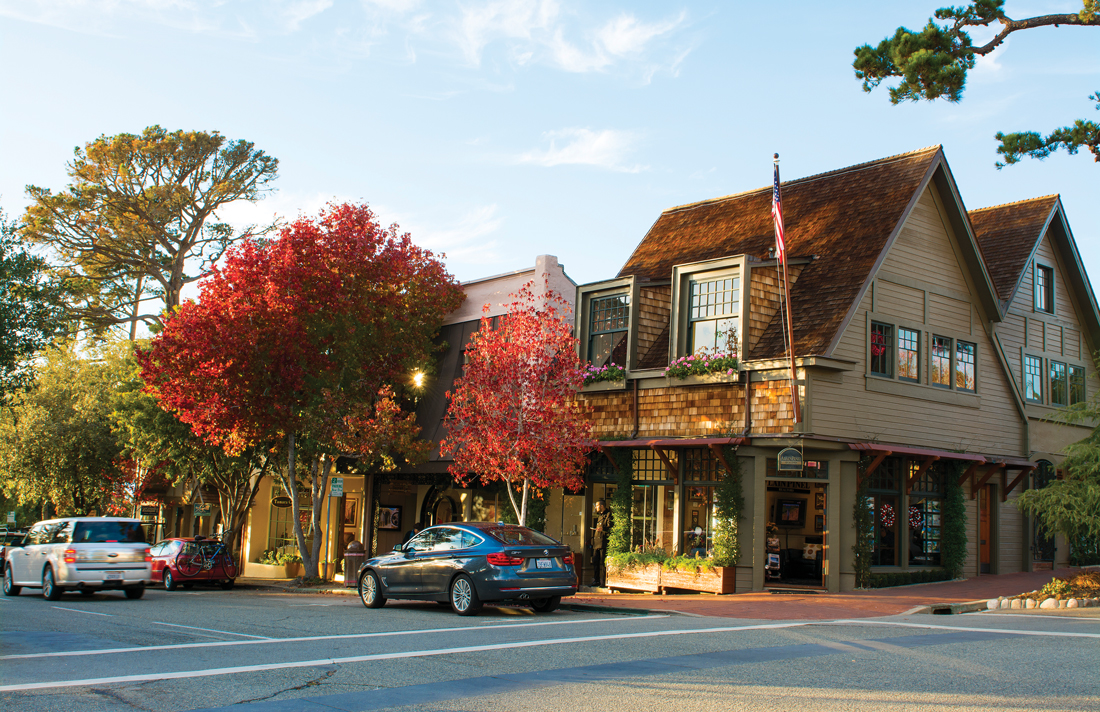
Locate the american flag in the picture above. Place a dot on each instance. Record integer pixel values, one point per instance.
(777, 215)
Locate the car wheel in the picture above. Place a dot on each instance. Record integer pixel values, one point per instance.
(169, 581)
(464, 600)
(133, 592)
(50, 590)
(226, 585)
(370, 590)
(546, 605)
(10, 589)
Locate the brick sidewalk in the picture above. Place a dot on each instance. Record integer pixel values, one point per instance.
(824, 606)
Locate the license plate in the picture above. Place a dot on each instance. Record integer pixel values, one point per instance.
(113, 576)
(544, 564)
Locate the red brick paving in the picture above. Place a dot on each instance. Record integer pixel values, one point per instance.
(824, 606)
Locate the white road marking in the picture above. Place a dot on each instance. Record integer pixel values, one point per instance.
(267, 641)
(212, 630)
(379, 656)
(1005, 631)
(77, 610)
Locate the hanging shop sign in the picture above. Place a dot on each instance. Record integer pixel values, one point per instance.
(282, 501)
(202, 510)
(150, 510)
(789, 460)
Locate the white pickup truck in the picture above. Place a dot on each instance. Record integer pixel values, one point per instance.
(85, 554)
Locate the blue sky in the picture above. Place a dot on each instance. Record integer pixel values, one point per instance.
(496, 131)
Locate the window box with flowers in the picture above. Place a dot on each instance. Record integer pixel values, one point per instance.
(608, 377)
(704, 368)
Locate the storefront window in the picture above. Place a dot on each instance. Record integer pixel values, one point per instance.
(280, 531)
(883, 490)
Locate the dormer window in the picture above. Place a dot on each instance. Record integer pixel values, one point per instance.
(609, 322)
(714, 306)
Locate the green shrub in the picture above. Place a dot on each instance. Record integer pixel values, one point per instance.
(729, 503)
(618, 542)
(625, 560)
(863, 519)
(693, 564)
(953, 538)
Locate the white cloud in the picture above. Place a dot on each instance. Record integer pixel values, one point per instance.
(627, 35)
(296, 12)
(501, 20)
(582, 146)
(465, 239)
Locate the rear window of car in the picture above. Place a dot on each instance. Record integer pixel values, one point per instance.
(519, 536)
(101, 532)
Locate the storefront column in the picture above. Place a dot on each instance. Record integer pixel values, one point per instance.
(833, 526)
(760, 520)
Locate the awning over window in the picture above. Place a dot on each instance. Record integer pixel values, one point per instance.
(918, 452)
(996, 464)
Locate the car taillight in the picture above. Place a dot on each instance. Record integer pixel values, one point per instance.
(498, 558)
(567, 559)
(70, 556)
(148, 554)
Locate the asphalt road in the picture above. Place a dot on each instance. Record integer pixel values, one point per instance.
(249, 651)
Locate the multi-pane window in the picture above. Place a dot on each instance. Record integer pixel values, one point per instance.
(882, 343)
(1033, 378)
(923, 517)
(964, 365)
(700, 465)
(1076, 385)
(1044, 289)
(608, 326)
(941, 361)
(908, 354)
(712, 315)
(883, 493)
(1059, 384)
(649, 467)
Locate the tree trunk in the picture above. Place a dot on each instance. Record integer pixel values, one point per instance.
(137, 308)
(290, 483)
(322, 468)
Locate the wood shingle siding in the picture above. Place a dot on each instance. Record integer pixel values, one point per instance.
(654, 310)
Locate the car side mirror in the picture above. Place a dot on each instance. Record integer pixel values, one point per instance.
(399, 548)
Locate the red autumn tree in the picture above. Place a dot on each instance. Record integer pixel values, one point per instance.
(513, 417)
(297, 342)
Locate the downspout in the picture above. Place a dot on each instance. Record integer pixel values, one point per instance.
(748, 403)
(634, 407)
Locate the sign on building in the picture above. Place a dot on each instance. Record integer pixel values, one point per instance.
(789, 460)
(281, 501)
(150, 510)
(337, 486)
(202, 510)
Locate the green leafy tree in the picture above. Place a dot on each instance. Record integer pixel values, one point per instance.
(139, 220)
(932, 64)
(1071, 506)
(56, 439)
(31, 311)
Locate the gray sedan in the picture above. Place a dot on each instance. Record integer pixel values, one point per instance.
(471, 563)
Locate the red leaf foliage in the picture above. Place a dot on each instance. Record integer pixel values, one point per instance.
(336, 304)
(513, 415)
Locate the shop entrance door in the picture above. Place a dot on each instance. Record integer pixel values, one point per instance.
(797, 535)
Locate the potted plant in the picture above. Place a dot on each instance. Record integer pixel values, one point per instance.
(608, 377)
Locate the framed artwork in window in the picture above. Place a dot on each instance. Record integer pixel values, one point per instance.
(819, 522)
(389, 517)
(697, 494)
(819, 500)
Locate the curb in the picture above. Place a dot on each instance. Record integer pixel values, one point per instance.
(619, 610)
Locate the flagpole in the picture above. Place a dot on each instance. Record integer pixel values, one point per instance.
(781, 243)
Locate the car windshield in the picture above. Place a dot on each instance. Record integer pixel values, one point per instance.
(519, 536)
(102, 532)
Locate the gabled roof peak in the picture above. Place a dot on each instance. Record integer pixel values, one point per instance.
(806, 179)
(1052, 196)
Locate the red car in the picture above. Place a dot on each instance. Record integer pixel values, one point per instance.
(184, 562)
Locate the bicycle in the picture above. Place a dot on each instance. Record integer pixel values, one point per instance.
(197, 556)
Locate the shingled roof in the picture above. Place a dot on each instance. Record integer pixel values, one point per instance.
(1008, 235)
(844, 218)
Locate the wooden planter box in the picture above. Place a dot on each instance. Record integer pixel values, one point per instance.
(708, 379)
(604, 386)
(721, 580)
(637, 578)
(271, 571)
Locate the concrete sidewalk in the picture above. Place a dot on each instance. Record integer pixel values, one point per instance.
(824, 606)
